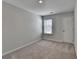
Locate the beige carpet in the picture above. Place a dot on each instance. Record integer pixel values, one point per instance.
(46, 50)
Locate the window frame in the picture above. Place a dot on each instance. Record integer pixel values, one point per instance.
(43, 27)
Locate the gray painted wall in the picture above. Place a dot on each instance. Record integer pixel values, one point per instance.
(59, 19)
(75, 28)
(19, 27)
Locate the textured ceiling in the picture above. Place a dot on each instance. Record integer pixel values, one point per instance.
(56, 6)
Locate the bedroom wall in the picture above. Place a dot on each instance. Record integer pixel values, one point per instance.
(58, 29)
(19, 27)
(75, 28)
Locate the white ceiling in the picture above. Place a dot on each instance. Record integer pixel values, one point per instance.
(57, 6)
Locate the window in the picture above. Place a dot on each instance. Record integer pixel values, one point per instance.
(47, 26)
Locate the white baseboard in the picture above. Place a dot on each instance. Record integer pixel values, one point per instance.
(3, 54)
(59, 40)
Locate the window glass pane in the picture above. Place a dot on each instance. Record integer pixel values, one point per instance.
(48, 26)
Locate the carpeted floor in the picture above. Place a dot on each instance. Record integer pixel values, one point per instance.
(46, 50)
